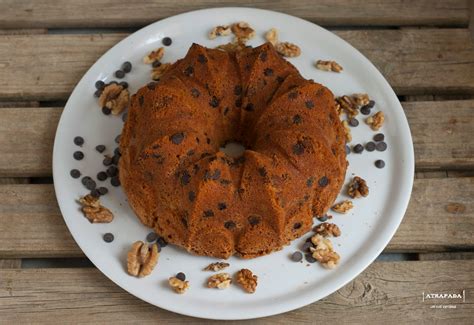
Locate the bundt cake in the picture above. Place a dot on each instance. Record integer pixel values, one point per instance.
(194, 195)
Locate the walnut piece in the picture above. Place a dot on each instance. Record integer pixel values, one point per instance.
(217, 266)
(115, 98)
(231, 47)
(219, 31)
(155, 55)
(158, 72)
(328, 66)
(179, 286)
(347, 131)
(242, 31)
(142, 259)
(94, 211)
(343, 207)
(247, 280)
(348, 105)
(327, 229)
(376, 121)
(358, 188)
(361, 99)
(288, 49)
(324, 252)
(272, 36)
(219, 281)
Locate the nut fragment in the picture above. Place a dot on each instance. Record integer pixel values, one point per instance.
(219, 281)
(348, 105)
(115, 98)
(358, 188)
(288, 49)
(328, 66)
(272, 36)
(219, 31)
(343, 207)
(327, 229)
(361, 99)
(217, 266)
(347, 131)
(247, 280)
(324, 252)
(376, 121)
(158, 72)
(242, 31)
(155, 55)
(142, 259)
(231, 47)
(178, 285)
(94, 211)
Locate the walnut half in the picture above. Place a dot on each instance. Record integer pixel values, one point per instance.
(358, 188)
(288, 49)
(242, 31)
(114, 97)
(272, 36)
(326, 229)
(219, 31)
(328, 66)
(142, 259)
(376, 121)
(217, 266)
(219, 281)
(343, 207)
(94, 211)
(324, 252)
(247, 280)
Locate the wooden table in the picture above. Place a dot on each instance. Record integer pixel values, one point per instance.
(425, 50)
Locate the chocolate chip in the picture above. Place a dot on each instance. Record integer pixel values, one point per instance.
(112, 171)
(79, 141)
(166, 41)
(75, 173)
(298, 148)
(307, 245)
(222, 206)
(229, 225)
(238, 102)
(348, 150)
(119, 74)
(309, 258)
(208, 213)
(98, 92)
(100, 148)
(95, 193)
(151, 237)
(177, 138)
(268, 72)
(296, 256)
(262, 171)
(323, 181)
(322, 218)
(107, 161)
(238, 90)
(123, 84)
(181, 276)
(106, 110)
(195, 93)
(249, 107)
(202, 59)
(115, 181)
(310, 181)
(161, 242)
(309, 104)
(78, 155)
(189, 71)
(126, 67)
(370, 146)
(379, 137)
(263, 56)
(293, 95)
(358, 148)
(103, 190)
(371, 103)
(297, 119)
(117, 139)
(191, 196)
(379, 163)
(365, 110)
(353, 122)
(108, 237)
(381, 146)
(254, 219)
(151, 85)
(88, 182)
(102, 176)
(99, 85)
(297, 225)
(156, 64)
(214, 102)
(185, 178)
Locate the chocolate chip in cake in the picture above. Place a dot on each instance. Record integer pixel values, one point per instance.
(151, 85)
(222, 206)
(323, 181)
(379, 163)
(229, 224)
(181, 276)
(166, 41)
(353, 122)
(79, 141)
(296, 256)
(78, 155)
(358, 148)
(238, 102)
(108, 237)
(293, 95)
(249, 107)
(100, 148)
(161, 242)
(119, 74)
(75, 173)
(99, 85)
(126, 67)
(297, 225)
(102, 176)
(381, 146)
(189, 71)
(103, 190)
(298, 148)
(124, 84)
(310, 181)
(191, 196)
(112, 171)
(268, 72)
(309, 258)
(202, 59)
(195, 93)
(309, 104)
(177, 138)
(115, 181)
(107, 161)
(263, 56)
(238, 90)
(208, 213)
(370, 146)
(379, 137)
(185, 178)
(214, 102)
(106, 110)
(151, 237)
(262, 171)
(297, 119)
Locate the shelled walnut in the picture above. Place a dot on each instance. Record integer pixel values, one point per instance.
(142, 259)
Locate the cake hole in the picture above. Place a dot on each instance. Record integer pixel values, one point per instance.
(233, 149)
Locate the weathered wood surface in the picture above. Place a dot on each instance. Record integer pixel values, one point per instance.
(442, 133)
(440, 217)
(123, 13)
(413, 60)
(383, 293)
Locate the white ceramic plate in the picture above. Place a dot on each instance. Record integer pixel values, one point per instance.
(283, 285)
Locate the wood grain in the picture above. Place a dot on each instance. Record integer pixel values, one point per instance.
(440, 218)
(123, 13)
(10, 263)
(413, 60)
(381, 294)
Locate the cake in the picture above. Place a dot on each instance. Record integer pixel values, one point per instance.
(181, 184)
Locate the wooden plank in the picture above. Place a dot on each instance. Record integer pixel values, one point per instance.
(10, 263)
(442, 134)
(446, 256)
(87, 296)
(413, 60)
(119, 13)
(440, 217)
